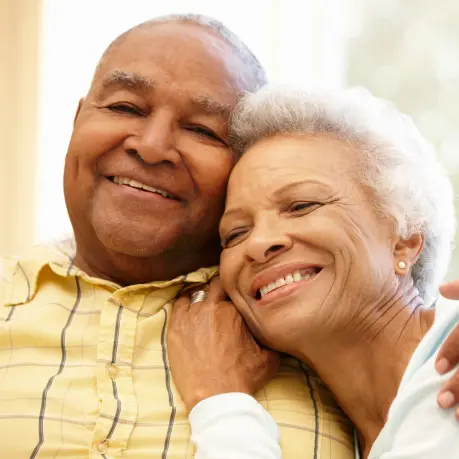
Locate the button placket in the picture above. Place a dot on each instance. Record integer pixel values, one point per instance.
(118, 410)
(112, 370)
(102, 447)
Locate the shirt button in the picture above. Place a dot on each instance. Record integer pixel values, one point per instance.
(112, 370)
(102, 447)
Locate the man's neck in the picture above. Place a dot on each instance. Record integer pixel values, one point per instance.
(364, 374)
(127, 270)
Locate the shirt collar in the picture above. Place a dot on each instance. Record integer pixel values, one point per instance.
(21, 276)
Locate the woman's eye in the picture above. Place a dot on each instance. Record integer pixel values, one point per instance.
(232, 238)
(125, 108)
(299, 206)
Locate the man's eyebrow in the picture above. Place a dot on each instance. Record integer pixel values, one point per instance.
(129, 80)
(212, 106)
(141, 83)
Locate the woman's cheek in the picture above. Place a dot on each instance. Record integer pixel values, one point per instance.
(225, 271)
(231, 265)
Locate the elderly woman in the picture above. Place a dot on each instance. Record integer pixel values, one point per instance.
(337, 230)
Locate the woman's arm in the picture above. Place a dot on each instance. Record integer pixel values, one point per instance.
(417, 428)
(235, 426)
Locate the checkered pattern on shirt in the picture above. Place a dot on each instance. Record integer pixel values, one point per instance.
(84, 373)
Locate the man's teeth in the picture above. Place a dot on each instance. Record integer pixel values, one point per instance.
(288, 279)
(140, 186)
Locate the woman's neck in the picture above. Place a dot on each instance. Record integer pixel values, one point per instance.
(364, 370)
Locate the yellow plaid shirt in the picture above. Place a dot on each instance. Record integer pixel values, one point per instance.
(84, 373)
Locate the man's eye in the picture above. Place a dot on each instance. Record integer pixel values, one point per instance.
(204, 132)
(125, 108)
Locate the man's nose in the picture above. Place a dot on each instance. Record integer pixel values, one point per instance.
(267, 242)
(155, 142)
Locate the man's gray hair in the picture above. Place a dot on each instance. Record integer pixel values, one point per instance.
(398, 165)
(256, 72)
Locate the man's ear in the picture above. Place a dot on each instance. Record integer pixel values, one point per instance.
(407, 252)
(80, 104)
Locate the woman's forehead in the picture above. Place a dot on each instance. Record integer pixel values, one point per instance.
(285, 158)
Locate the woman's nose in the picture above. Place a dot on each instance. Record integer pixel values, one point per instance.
(267, 243)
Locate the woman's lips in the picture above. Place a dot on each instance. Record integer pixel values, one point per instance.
(287, 289)
(283, 280)
(280, 275)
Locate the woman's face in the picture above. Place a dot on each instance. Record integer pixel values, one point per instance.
(305, 254)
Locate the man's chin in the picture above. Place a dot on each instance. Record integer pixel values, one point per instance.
(130, 240)
(137, 247)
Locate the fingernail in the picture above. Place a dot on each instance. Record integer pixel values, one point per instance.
(457, 414)
(446, 399)
(442, 366)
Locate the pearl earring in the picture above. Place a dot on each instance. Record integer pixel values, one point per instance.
(401, 264)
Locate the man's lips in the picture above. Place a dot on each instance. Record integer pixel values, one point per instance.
(280, 276)
(130, 182)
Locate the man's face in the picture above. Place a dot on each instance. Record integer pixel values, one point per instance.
(148, 161)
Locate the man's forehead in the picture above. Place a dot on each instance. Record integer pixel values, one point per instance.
(181, 47)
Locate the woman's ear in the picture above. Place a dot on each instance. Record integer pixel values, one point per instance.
(407, 252)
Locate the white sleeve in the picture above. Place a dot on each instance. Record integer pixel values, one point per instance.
(418, 428)
(234, 426)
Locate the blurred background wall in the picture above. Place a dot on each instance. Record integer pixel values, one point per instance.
(19, 63)
(404, 50)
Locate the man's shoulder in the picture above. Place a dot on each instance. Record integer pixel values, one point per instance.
(18, 274)
(7, 266)
(37, 256)
(8, 270)
(307, 414)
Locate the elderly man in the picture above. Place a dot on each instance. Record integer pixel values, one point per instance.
(83, 359)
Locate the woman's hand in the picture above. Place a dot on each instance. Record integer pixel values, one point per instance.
(211, 351)
(448, 356)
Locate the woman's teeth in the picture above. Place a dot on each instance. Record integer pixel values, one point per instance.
(290, 278)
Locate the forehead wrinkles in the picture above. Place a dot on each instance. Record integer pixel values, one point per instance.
(291, 156)
(250, 185)
(183, 52)
(256, 170)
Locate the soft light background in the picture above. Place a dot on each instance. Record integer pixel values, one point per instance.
(404, 50)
